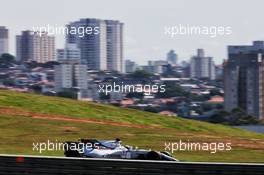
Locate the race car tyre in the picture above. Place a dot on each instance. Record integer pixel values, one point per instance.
(70, 153)
(153, 155)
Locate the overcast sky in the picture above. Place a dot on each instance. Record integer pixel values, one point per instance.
(144, 20)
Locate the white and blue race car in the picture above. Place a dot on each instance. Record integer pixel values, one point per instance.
(92, 148)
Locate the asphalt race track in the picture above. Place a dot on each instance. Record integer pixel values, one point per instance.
(36, 165)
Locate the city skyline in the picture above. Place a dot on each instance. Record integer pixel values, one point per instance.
(144, 37)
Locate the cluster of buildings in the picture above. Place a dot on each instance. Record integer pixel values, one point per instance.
(33, 46)
(101, 51)
(95, 59)
(199, 66)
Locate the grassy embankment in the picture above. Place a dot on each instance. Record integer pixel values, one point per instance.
(27, 118)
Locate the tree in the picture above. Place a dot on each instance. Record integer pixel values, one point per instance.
(36, 88)
(33, 64)
(236, 117)
(7, 58)
(140, 74)
(67, 94)
(151, 109)
(203, 97)
(103, 96)
(172, 90)
(50, 64)
(9, 82)
(214, 92)
(219, 117)
(207, 107)
(139, 95)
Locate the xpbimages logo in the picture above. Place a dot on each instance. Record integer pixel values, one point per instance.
(147, 89)
(79, 31)
(212, 147)
(191, 30)
(41, 147)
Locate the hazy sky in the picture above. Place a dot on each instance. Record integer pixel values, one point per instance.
(144, 37)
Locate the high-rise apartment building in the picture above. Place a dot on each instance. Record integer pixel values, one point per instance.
(157, 66)
(71, 52)
(35, 46)
(114, 45)
(131, 66)
(102, 48)
(172, 57)
(71, 73)
(202, 66)
(3, 40)
(244, 78)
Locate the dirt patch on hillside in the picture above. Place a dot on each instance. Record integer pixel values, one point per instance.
(18, 112)
(236, 142)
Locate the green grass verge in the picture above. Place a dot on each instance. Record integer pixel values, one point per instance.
(18, 133)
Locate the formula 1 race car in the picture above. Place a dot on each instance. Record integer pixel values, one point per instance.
(92, 148)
